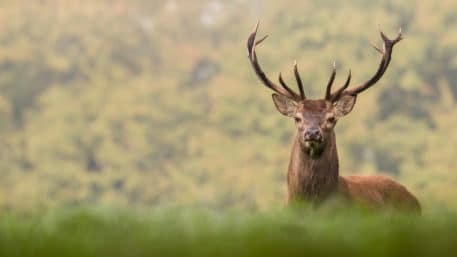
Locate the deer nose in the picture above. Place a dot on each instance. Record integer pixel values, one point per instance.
(312, 134)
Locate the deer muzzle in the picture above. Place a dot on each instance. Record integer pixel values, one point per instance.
(313, 135)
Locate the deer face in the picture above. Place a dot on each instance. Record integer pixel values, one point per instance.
(314, 119)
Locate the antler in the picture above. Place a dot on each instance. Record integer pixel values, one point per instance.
(386, 53)
(283, 89)
(328, 92)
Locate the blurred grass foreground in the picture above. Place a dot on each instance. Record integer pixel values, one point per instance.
(103, 232)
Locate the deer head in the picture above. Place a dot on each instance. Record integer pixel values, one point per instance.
(316, 118)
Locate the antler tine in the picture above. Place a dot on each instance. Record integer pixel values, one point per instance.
(251, 45)
(386, 53)
(283, 84)
(299, 81)
(339, 92)
(328, 91)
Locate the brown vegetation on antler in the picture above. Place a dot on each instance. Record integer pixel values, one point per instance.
(313, 173)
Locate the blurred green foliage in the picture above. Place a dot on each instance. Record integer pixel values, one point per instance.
(102, 232)
(154, 103)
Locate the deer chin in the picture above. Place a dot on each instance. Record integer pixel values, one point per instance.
(313, 148)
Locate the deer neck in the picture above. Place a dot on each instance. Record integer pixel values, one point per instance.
(313, 178)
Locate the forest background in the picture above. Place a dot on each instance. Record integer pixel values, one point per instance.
(154, 103)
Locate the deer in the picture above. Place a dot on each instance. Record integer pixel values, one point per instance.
(313, 171)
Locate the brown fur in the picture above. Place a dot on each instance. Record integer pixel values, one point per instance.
(315, 180)
(378, 192)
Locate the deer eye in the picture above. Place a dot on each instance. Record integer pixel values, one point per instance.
(331, 119)
(297, 119)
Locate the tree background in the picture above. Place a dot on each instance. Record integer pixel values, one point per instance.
(154, 103)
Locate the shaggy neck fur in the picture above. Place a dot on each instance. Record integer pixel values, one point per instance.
(312, 178)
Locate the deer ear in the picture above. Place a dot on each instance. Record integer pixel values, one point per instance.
(344, 105)
(285, 105)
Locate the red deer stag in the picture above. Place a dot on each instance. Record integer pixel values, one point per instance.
(313, 173)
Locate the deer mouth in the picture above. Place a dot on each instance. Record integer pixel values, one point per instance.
(313, 148)
(312, 143)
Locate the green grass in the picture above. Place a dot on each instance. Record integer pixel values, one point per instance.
(108, 232)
